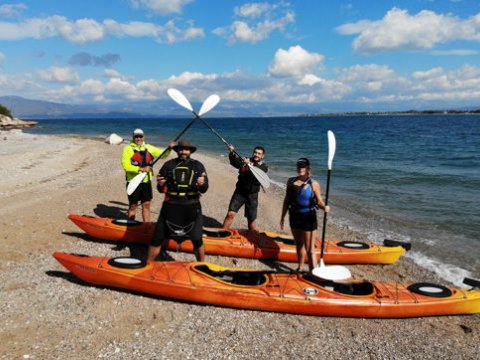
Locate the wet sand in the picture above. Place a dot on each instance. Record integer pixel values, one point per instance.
(48, 314)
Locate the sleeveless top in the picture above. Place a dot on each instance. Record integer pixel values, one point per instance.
(301, 198)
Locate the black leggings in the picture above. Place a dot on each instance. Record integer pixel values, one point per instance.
(179, 222)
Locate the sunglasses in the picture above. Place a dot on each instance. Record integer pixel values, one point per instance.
(138, 136)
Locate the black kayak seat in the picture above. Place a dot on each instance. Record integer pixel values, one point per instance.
(472, 282)
(216, 233)
(391, 243)
(347, 288)
(126, 222)
(285, 240)
(246, 278)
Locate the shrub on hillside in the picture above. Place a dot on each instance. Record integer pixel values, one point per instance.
(5, 111)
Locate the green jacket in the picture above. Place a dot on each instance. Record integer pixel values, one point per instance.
(132, 170)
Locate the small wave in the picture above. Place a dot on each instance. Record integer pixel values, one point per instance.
(449, 272)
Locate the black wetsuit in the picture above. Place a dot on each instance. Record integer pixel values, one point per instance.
(181, 214)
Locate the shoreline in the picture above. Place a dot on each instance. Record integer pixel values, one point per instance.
(50, 314)
(444, 272)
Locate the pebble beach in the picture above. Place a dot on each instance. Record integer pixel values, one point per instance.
(49, 314)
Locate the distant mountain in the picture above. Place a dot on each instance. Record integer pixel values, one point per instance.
(26, 108)
(38, 109)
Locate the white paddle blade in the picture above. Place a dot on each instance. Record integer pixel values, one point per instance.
(179, 98)
(332, 145)
(331, 272)
(137, 180)
(260, 175)
(209, 104)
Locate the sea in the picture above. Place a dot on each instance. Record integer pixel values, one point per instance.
(411, 178)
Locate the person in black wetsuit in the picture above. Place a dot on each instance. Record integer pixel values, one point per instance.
(182, 180)
(302, 198)
(247, 187)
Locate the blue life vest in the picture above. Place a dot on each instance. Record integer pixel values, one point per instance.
(302, 199)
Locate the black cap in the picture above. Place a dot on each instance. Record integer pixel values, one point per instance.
(303, 162)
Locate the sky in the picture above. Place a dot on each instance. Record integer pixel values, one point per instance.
(299, 56)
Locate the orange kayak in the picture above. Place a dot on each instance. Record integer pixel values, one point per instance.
(296, 293)
(242, 243)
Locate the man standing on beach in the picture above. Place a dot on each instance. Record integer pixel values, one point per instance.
(182, 180)
(137, 157)
(247, 187)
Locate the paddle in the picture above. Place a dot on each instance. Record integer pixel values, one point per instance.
(207, 105)
(331, 272)
(180, 99)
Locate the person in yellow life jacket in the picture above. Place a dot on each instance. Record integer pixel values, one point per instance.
(137, 157)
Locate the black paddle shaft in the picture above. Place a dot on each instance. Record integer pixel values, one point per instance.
(325, 214)
(215, 132)
(178, 137)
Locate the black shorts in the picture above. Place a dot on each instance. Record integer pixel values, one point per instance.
(141, 194)
(179, 222)
(306, 221)
(249, 200)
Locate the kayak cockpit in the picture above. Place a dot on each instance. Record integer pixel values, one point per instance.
(216, 233)
(363, 288)
(245, 278)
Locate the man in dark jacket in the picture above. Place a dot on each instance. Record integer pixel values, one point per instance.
(182, 180)
(247, 188)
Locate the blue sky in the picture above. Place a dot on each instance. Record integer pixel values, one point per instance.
(299, 56)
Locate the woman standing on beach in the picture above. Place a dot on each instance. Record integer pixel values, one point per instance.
(302, 198)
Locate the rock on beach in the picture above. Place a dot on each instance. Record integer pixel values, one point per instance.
(7, 123)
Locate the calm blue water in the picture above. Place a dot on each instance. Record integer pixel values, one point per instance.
(413, 178)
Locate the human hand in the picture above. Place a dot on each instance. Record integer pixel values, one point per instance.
(201, 179)
(161, 180)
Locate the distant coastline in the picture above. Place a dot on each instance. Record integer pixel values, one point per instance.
(408, 112)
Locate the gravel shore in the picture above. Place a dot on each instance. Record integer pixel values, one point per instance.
(48, 314)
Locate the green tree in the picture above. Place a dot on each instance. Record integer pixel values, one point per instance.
(5, 111)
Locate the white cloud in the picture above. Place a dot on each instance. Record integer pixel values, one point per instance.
(294, 62)
(310, 79)
(366, 73)
(253, 10)
(12, 9)
(57, 74)
(88, 30)
(21, 84)
(422, 75)
(466, 78)
(187, 77)
(162, 7)
(398, 30)
(2, 58)
(257, 21)
(455, 52)
(114, 74)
